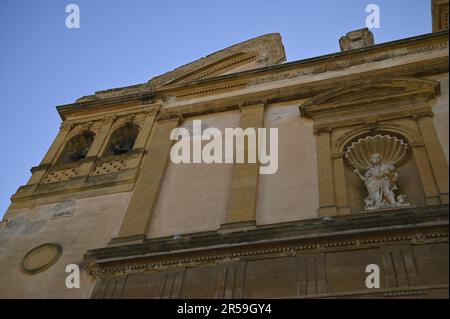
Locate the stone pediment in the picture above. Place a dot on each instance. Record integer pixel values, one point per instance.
(357, 96)
(262, 51)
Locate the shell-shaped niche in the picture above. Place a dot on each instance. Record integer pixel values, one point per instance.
(392, 150)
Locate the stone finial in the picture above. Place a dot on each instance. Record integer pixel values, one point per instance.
(356, 40)
(439, 10)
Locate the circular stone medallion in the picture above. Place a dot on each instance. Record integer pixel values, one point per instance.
(41, 258)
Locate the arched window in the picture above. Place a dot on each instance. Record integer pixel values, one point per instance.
(77, 148)
(122, 140)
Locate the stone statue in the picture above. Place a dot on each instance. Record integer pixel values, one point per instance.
(380, 183)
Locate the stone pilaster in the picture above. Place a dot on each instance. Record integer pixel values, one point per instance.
(435, 154)
(57, 144)
(49, 158)
(426, 175)
(244, 185)
(340, 185)
(144, 133)
(139, 213)
(327, 202)
(96, 147)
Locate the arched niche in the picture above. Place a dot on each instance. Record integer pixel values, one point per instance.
(408, 182)
(76, 148)
(122, 140)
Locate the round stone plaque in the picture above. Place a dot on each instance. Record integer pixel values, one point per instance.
(41, 258)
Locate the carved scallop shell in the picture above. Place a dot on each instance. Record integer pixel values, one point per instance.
(392, 150)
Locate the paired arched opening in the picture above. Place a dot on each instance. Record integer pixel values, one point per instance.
(121, 141)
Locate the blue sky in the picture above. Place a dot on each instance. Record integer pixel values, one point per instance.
(125, 42)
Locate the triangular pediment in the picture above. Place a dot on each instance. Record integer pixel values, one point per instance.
(357, 94)
(263, 51)
(259, 52)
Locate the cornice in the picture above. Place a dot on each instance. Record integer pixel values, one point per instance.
(440, 37)
(317, 65)
(105, 103)
(412, 225)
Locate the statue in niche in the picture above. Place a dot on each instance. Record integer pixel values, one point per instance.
(380, 181)
(380, 177)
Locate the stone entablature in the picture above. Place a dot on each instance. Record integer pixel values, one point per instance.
(321, 247)
(253, 84)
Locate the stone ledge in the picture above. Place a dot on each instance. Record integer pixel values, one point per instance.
(338, 231)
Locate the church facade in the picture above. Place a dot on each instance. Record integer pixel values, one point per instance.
(362, 181)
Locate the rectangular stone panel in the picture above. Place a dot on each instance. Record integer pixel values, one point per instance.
(199, 282)
(432, 263)
(345, 270)
(271, 278)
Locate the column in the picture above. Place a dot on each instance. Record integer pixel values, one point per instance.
(244, 185)
(138, 216)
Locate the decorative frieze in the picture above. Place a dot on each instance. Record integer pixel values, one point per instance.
(170, 261)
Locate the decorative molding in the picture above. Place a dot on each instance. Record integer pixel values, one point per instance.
(439, 9)
(132, 267)
(212, 89)
(358, 95)
(41, 258)
(371, 124)
(217, 69)
(412, 137)
(424, 225)
(345, 62)
(167, 116)
(393, 151)
(66, 126)
(110, 119)
(418, 115)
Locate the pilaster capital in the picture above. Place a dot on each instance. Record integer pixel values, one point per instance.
(252, 104)
(109, 119)
(321, 130)
(418, 115)
(417, 144)
(66, 126)
(338, 155)
(165, 116)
